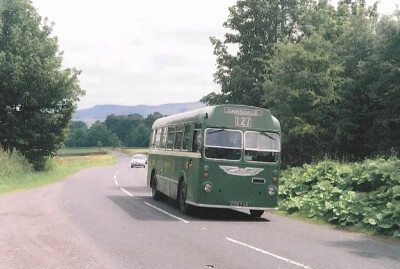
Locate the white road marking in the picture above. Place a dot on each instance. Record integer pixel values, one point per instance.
(268, 253)
(127, 192)
(165, 212)
(156, 208)
(115, 180)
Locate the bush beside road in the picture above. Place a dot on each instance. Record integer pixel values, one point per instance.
(363, 195)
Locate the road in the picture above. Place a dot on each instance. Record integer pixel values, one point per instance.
(105, 218)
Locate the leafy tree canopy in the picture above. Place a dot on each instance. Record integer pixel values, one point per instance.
(329, 74)
(122, 130)
(37, 97)
(255, 27)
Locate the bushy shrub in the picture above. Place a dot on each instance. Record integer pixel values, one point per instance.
(364, 194)
(13, 166)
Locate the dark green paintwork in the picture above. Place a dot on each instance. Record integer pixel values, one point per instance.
(226, 188)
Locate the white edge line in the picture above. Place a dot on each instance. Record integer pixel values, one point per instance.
(127, 192)
(156, 208)
(268, 253)
(116, 182)
(165, 212)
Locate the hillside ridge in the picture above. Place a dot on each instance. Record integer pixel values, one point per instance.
(100, 112)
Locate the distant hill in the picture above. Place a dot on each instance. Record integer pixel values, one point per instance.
(100, 112)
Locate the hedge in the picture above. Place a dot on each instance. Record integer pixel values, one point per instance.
(363, 194)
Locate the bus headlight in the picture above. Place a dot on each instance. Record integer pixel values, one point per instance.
(272, 190)
(207, 187)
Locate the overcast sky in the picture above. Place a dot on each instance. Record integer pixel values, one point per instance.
(135, 52)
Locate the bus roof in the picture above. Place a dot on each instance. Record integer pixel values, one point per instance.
(224, 116)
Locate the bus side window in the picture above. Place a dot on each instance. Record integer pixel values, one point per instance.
(178, 137)
(163, 141)
(170, 137)
(153, 139)
(187, 138)
(157, 140)
(196, 145)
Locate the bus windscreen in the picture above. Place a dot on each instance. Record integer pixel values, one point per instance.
(261, 147)
(223, 144)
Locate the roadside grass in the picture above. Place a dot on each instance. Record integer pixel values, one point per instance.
(18, 174)
(133, 151)
(322, 222)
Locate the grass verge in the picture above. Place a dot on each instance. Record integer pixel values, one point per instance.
(322, 222)
(18, 173)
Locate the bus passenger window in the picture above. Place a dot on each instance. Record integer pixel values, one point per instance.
(153, 139)
(157, 140)
(187, 138)
(196, 145)
(163, 141)
(178, 137)
(170, 137)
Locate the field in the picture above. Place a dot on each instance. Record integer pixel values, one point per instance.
(81, 151)
(133, 151)
(17, 173)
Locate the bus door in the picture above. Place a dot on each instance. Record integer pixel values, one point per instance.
(167, 161)
(193, 138)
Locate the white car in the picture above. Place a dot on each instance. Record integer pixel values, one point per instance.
(138, 160)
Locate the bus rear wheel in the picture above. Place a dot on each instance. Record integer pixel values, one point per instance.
(256, 213)
(154, 192)
(183, 206)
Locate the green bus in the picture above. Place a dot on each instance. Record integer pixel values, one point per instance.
(225, 156)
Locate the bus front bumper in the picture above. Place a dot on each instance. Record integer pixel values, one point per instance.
(231, 206)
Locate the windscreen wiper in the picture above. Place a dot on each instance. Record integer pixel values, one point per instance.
(264, 133)
(216, 131)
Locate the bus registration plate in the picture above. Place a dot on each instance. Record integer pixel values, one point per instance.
(239, 203)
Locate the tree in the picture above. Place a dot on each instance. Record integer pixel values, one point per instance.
(98, 132)
(140, 137)
(256, 26)
(77, 136)
(123, 125)
(151, 118)
(385, 66)
(330, 75)
(134, 130)
(373, 92)
(37, 97)
(114, 140)
(335, 88)
(354, 46)
(303, 93)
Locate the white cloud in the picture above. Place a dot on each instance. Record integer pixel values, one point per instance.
(141, 52)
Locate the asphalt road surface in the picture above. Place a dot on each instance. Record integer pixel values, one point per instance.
(105, 218)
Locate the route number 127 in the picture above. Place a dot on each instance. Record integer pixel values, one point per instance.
(242, 121)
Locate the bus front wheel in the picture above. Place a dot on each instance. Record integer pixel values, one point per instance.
(154, 192)
(256, 213)
(183, 206)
